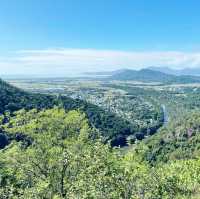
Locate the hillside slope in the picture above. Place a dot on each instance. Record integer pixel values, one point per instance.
(179, 140)
(110, 126)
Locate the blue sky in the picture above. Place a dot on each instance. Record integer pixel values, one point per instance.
(67, 36)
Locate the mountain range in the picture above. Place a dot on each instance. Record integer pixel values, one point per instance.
(149, 75)
(152, 74)
(184, 71)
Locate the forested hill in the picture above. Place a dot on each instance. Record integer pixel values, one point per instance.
(13, 99)
(110, 126)
(56, 157)
(147, 75)
(179, 140)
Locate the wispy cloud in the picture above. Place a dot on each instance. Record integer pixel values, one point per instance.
(73, 61)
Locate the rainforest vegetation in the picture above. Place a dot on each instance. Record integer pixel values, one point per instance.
(57, 147)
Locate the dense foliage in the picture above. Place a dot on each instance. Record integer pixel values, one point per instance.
(63, 161)
(179, 140)
(57, 144)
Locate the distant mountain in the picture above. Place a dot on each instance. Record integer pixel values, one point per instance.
(166, 70)
(185, 71)
(144, 75)
(148, 75)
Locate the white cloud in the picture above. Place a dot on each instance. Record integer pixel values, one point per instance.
(73, 61)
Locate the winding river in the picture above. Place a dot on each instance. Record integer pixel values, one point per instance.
(165, 116)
